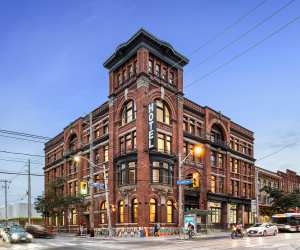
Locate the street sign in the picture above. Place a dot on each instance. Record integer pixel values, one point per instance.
(184, 182)
(98, 185)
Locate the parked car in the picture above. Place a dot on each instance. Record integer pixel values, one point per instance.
(16, 234)
(262, 230)
(39, 231)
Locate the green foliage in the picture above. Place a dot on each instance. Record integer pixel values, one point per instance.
(54, 202)
(281, 201)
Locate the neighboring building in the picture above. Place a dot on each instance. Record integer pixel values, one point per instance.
(287, 182)
(18, 210)
(142, 180)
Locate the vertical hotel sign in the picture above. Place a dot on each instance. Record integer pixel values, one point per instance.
(152, 125)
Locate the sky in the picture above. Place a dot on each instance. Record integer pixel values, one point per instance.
(51, 72)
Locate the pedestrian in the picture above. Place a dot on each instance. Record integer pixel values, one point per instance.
(81, 229)
(155, 230)
(158, 229)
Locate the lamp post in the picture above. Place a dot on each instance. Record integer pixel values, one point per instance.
(77, 158)
(198, 150)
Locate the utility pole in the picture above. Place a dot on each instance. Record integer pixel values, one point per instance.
(29, 193)
(257, 194)
(5, 197)
(105, 174)
(180, 193)
(91, 170)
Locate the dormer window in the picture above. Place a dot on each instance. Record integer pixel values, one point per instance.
(157, 70)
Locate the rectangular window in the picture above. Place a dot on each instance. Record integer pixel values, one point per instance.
(220, 160)
(192, 127)
(106, 153)
(164, 73)
(157, 70)
(105, 129)
(213, 158)
(150, 66)
(171, 78)
(160, 142)
(131, 172)
(155, 172)
(213, 184)
(130, 70)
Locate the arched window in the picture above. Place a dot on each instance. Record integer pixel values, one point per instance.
(128, 113)
(72, 142)
(162, 112)
(121, 212)
(134, 210)
(102, 212)
(152, 210)
(169, 211)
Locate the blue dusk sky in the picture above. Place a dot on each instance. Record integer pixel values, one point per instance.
(51, 55)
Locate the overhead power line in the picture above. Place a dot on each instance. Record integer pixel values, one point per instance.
(20, 161)
(279, 150)
(241, 36)
(10, 132)
(19, 173)
(20, 138)
(17, 153)
(237, 56)
(222, 32)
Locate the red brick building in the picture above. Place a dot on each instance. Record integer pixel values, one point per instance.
(142, 180)
(286, 181)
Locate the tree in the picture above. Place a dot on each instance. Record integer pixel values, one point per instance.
(281, 201)
(54, 202)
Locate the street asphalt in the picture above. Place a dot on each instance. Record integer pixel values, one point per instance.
(288, 241)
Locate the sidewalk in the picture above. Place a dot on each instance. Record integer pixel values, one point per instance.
(202, 236)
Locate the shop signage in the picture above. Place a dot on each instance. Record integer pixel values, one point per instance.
(152, 125)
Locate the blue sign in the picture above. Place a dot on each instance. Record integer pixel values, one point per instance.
(184, 182)
(98, 185)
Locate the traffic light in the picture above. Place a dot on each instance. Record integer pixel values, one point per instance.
(83, 188)
(196, 180)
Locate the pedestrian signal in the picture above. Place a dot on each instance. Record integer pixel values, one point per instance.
(196, 180)
(83, 188)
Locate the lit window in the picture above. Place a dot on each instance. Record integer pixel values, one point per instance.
(169, 212)
(129, 112)
(74, 216)
(152, 210)
(134, 211)
(162, 112)
(106, 153)
(121, 211)
(102, 212)
(162, 172)
(164, 143)
(213, 184)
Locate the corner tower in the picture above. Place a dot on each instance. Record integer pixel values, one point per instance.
(145, 70)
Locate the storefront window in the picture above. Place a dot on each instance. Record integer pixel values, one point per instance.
(232, 213)
(215, 209)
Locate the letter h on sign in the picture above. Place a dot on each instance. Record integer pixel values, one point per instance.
(152, 125)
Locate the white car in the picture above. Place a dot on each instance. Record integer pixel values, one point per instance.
(262, 230)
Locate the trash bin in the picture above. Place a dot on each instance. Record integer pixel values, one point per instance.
(142, 233)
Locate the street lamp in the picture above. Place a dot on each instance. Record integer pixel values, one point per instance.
(198, 150)
(77, 159)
